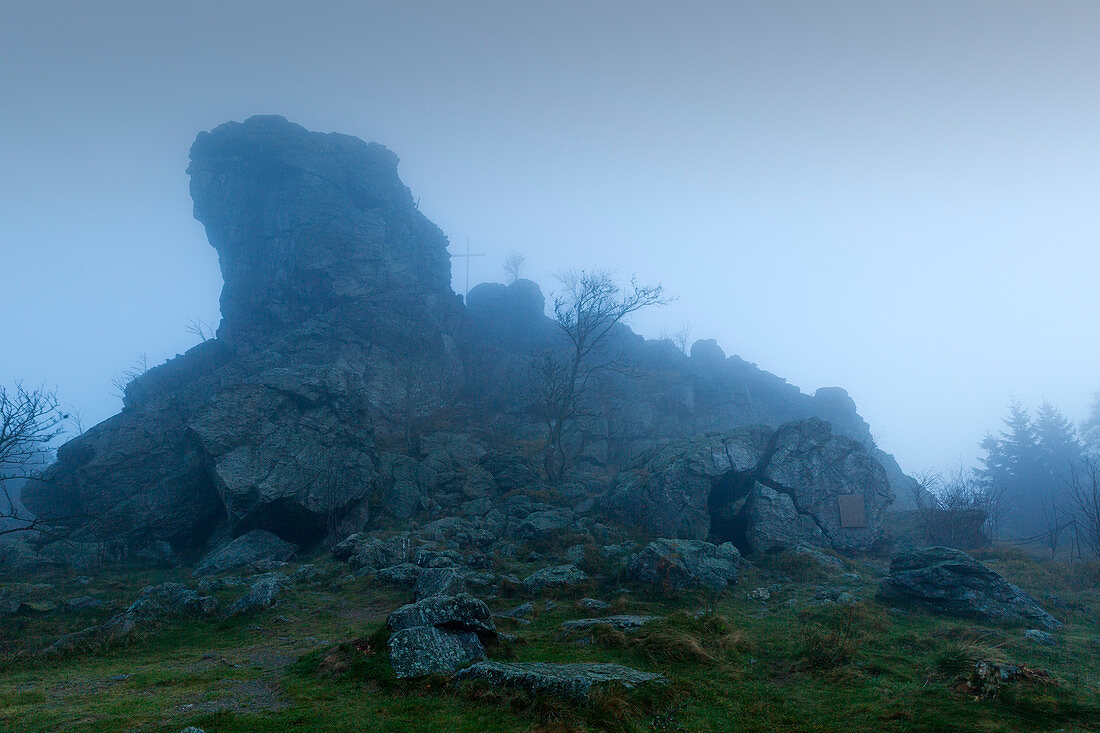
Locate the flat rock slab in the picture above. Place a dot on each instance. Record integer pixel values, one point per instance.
(573, 681)
(622, 623)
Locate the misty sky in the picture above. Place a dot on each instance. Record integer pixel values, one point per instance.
(897, 198)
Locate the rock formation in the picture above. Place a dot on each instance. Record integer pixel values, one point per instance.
(762, 489)
(349, 387)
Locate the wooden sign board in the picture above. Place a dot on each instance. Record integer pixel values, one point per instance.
(853, 513)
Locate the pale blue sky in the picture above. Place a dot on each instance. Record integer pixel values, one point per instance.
(898, 198)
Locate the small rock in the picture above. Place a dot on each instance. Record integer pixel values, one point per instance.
(1040, 637)
(574, 681)
(593, 604)
(554, 576)
(622, 623)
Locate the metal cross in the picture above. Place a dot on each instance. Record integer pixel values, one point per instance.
(467, 256)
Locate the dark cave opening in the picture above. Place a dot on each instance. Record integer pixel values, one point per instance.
(728, 505)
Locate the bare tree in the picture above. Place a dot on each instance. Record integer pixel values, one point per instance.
(681, 337)
(513, 266)
(1085, 494)
(30, 420)
(122, 381)
(589, 306)
(953, 510)
(201, 328)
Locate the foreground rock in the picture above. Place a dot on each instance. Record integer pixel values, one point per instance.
(949, 581)
(252, 548)
(670, 564)
(574, 681)
(426, 650)
(439, 634)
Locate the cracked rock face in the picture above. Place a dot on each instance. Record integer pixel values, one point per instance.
(762, 489)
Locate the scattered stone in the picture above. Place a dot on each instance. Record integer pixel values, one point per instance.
(593, 604)
(988, 677)
(672, 564)
(553, 576)
(949, 581)
(520, 612)
(574, 681)
(250, 548)
(154, 603)
(1040, 637)
(425, 650)
(621, 623)
(84, 603)
(262, 593)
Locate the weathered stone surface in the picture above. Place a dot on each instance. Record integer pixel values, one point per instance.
(425, 650)
(622, 623)
(672, 564)
(263, 592)
(772, 522)
(554, 576)
(460, 612)
(438, 582)
(572, 681)
(761, 488)
(949, 581)
(813, 467)
(667, 491)
(249, 549)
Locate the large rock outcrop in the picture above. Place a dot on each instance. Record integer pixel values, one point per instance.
(340, 333)
(762, 489)
(336, 289)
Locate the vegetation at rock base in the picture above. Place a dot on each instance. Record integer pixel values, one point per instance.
(736, 661)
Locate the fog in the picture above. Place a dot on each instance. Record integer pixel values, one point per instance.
(897, 200)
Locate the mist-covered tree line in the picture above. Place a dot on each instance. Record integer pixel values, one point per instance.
(1037, 481)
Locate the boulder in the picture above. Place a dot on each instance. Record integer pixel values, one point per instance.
(460, 612)
(422, 650)
(263, 592)
(672, 564)
(946, 580)
(576, 681)
(555, 576)
(251, 548)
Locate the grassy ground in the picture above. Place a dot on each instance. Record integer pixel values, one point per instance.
(734, 662)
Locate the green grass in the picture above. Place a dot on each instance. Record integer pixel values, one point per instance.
(317, 662)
